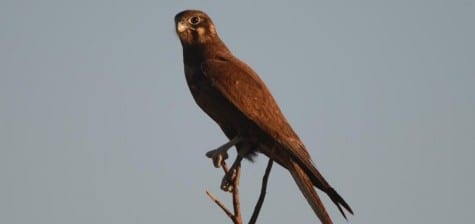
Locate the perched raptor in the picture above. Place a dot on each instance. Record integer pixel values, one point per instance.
(234, 96)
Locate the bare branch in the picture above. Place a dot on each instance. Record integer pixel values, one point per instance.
(225, 167)
(220, 204)
(237, 216)
(236, 203)
(260, 201)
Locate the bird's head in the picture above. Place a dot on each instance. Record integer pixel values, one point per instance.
(194, 27)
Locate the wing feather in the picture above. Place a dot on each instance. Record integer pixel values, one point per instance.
(247, 92)
(240, 85)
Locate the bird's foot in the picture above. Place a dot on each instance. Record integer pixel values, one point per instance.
(218, 156)
(231, 177)
(227, 184)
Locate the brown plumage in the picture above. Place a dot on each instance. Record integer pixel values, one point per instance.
(234, 96)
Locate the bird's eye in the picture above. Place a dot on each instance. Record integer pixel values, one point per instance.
(194, 20)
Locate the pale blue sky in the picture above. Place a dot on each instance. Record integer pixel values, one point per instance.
(97, 124)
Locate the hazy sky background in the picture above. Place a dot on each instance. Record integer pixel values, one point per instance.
(97, 124)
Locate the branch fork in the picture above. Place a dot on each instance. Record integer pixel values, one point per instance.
(235, 215)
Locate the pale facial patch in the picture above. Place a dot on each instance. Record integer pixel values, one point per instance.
(181, 27)
(201, 31)
(203, 36)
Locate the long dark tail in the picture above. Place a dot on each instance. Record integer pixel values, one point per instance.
(320, 182)
(339, 201)
(306, 187)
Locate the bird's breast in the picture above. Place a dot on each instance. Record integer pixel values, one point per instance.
(209, 99)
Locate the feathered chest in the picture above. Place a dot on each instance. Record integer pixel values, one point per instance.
(208, 98)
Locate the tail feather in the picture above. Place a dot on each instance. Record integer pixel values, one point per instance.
(339, 201)
(320, 182)
(306, 187)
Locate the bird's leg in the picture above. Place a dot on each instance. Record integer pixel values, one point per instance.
(220, 154)
(227, 184)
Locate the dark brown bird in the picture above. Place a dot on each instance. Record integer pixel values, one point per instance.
(234, 96)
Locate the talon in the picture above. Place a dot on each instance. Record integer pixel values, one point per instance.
(227, 184)
(218, 160)
(228, 187)
(217, 156)
(220, 154)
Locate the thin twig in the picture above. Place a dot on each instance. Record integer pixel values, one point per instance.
(237, 216)
(236, 203)
(220, 204)
(260, 201)
(225, 167)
